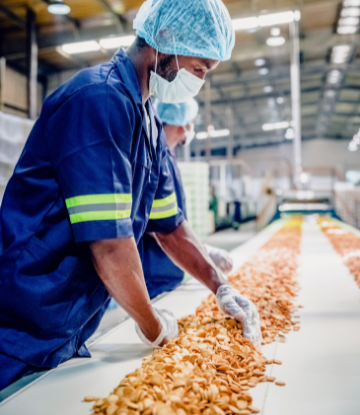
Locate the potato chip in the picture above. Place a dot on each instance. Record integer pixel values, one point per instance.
(210, 366)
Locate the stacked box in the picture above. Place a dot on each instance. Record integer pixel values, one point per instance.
(195, 178)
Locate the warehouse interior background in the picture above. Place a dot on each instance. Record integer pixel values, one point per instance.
(278, 124)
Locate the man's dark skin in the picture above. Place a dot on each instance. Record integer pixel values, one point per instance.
(117, 261)
(175, 135)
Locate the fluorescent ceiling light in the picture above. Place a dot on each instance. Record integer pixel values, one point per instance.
(333, 80)
(304, 177)
(272, 19)
(330, 93)
(346, 30)
(341, 49)
(268, 89)
(297, 15)
(116, 42)
(335, 73)
(334, 76)
(81, 47)
(275, 41)
(280, 100)
(276, 18)
(213, 134)
(275, 31)
(220, 133)
(339, 59)
(245, 23)
(340, 54)
(351, 3)
(263, 71)
(349, 21)
(58, 8)
(202, 135)
(276, 126)
(352, 146)
(260, 62)
(350, 12)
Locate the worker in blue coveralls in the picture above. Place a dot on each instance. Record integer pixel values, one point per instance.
(161, 274)
(91, 174)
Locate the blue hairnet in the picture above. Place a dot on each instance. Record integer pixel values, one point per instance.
(200, 28)
(177, 114)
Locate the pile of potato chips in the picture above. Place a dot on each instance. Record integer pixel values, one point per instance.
(210, 367)
(345, 243)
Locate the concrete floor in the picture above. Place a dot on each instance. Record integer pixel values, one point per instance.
(230, 239)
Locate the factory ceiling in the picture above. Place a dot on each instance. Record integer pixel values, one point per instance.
(248, 92)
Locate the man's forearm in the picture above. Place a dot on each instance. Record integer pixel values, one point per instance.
(118, 264)
(184, 248)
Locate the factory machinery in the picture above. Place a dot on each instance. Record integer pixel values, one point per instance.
(310, 325)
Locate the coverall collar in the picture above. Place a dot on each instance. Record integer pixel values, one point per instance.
(131, 81)
(129, 77)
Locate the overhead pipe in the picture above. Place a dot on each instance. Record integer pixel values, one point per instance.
(295, 99)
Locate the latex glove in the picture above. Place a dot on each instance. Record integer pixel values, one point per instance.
(221, 258)
(231, 302)
(169, 328)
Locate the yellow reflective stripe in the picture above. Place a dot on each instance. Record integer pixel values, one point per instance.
(109, 206)
(100, 215)
(164, 214)
(166, 201)
(164, 208)
(100, 198)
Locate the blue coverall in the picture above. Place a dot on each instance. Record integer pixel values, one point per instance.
(89, 171)
(161, 274)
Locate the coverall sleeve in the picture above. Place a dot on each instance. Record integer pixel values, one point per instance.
(89, 140)
(165, 215)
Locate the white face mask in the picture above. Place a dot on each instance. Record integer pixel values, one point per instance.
(181, 89)
(189, 134)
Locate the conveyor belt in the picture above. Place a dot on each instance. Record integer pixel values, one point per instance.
(321, 362)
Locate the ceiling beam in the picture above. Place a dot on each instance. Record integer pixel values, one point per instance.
(120, 20)
(13, 50)
(12, 16)
(269, 144)
(274, 94)
(261, 96)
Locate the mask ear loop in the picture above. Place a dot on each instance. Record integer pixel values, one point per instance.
(177, 62)
(156, 61)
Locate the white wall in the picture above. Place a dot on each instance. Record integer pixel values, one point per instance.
(333, 153)
(315, 153)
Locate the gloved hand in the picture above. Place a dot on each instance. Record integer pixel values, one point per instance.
(169, 328)
(231, 302)
(221, 258)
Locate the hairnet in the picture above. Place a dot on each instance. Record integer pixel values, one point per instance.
(200, 28)
(177, 114)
